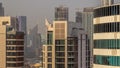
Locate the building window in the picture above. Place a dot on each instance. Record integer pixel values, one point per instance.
(60, 65)
(60, 59)
(49, 59)
(49, 48)
(50, 38)
(60, 48)
(60, 42)
(49, 66)
(49, 54)
(70, 48)
(60, 54)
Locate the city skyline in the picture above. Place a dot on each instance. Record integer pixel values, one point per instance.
(60, 34)
(37, 10)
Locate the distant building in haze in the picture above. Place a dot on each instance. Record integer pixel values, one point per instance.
(33, 43)
(1, 10)
(22, 21)
(78, 17)
(61, 13)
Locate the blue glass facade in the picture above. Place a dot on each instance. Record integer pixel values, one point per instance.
(107, 60)
(107, 11)
(107, 27)
(107, 44)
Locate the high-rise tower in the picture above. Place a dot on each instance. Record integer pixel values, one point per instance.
(11, 44)
(106, 37)
(61, 50)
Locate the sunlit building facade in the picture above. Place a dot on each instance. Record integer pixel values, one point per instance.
(61, 50)
(11, 44)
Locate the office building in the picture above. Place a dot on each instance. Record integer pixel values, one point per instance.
(12, 44)
(106, 36)
(61, 13)
(22, 22)
(85, 18)
(1, 10)
(61, 49)
(83, 49)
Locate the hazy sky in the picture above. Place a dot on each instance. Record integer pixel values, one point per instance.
(37, 10)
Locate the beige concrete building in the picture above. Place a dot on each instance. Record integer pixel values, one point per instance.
(11, 21)
(12, 45)
(62, 45)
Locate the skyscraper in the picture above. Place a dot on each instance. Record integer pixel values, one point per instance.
(85, 18)
(22, 22)
(83, 49)
(1, 10)
(106, 36)
(61, 50)
(11, 44)
(61, 13)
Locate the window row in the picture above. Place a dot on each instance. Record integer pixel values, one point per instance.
(60, 59)
(14, 64)
(59, 42)
(72, 41)
(60, 54)
(16, 59)
(15, 42)
(15, 53)
(107, 11)
(107, 27)
(107, 44)
(60, 48)
(107, 60)
(11, 36)
(15, 48)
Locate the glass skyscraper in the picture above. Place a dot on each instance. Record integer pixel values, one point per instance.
(106, 37)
